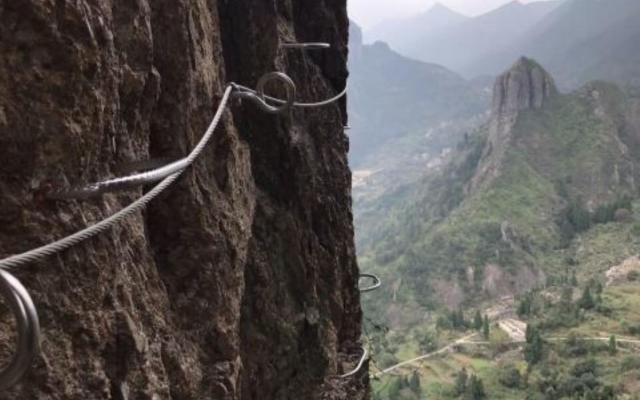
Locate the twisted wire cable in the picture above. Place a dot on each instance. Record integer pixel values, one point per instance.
(124, 183)
(295, 103)
(143, 178)
(84, 234)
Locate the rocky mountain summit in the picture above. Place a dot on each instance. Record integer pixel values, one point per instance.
(525, 86)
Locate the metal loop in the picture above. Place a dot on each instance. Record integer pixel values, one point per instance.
(28, 326)
(365, 355)
(306, 46)
(376, 283)
(258, 96)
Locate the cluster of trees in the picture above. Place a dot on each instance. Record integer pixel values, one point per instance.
(581, 382)
(577, 218)
(569, 278)
(510, 377)
(565, 313)
(576, 346)
(589, 301)
(534, 347)
(427, 341)
(401, 388)
(456, 320)
(453, 319)
(468, 387)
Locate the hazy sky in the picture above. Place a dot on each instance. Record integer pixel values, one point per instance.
(367, 13)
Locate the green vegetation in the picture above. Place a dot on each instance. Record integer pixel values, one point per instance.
(552, 226)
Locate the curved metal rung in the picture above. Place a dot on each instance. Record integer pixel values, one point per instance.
(260, 99)
(376, 283)
(365, 355)
(28, 325)
(306, 46)
(124, 183)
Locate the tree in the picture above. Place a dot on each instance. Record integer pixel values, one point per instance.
(613, 345)
(599, 287)
(485, 327)
(574, 279)
(477, 321)
(510, 377)
(462, 324)
(475, 389)
(414, 383)
(533, 349)
(566, 300)
(460, 385)
(586, 301)
(394, 388)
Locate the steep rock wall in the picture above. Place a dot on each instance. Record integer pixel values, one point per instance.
(240, 282)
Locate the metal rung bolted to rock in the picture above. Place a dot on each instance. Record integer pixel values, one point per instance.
(28, 327)
(306, 46)
(376, 283)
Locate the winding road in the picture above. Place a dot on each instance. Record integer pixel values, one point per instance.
(515, 331)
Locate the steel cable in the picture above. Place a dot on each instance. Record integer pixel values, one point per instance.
(84, 234)
(295, 103)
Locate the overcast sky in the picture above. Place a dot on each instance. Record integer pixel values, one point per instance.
(367, 13)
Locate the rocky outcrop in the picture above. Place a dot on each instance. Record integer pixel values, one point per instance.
(241, 282)
(525, 86)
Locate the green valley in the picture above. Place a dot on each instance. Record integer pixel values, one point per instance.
(530, 223)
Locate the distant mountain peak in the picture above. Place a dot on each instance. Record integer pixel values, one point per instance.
(524, 86)
(514, 3)
(441, 9)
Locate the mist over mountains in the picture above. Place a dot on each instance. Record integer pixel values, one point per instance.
(394, 101)
(577, 40)
(496, 162)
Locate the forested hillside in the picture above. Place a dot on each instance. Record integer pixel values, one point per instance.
(513, 268)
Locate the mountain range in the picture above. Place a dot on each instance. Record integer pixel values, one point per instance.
(497, 218)
(577, 40)
(395, 102)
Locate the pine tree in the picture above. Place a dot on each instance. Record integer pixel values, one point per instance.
(574, 279)
(485, 327)
(533, 350)
(475, 389)
(613, 345)
(477, 321)
(414, 383)
(586, 301)
(461, 382)
(462, 324)
(599, 287)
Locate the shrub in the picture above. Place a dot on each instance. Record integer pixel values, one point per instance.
(633, 276)
(510, 377)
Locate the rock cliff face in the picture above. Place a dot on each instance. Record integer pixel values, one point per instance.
(525, 86)
(241, 281)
